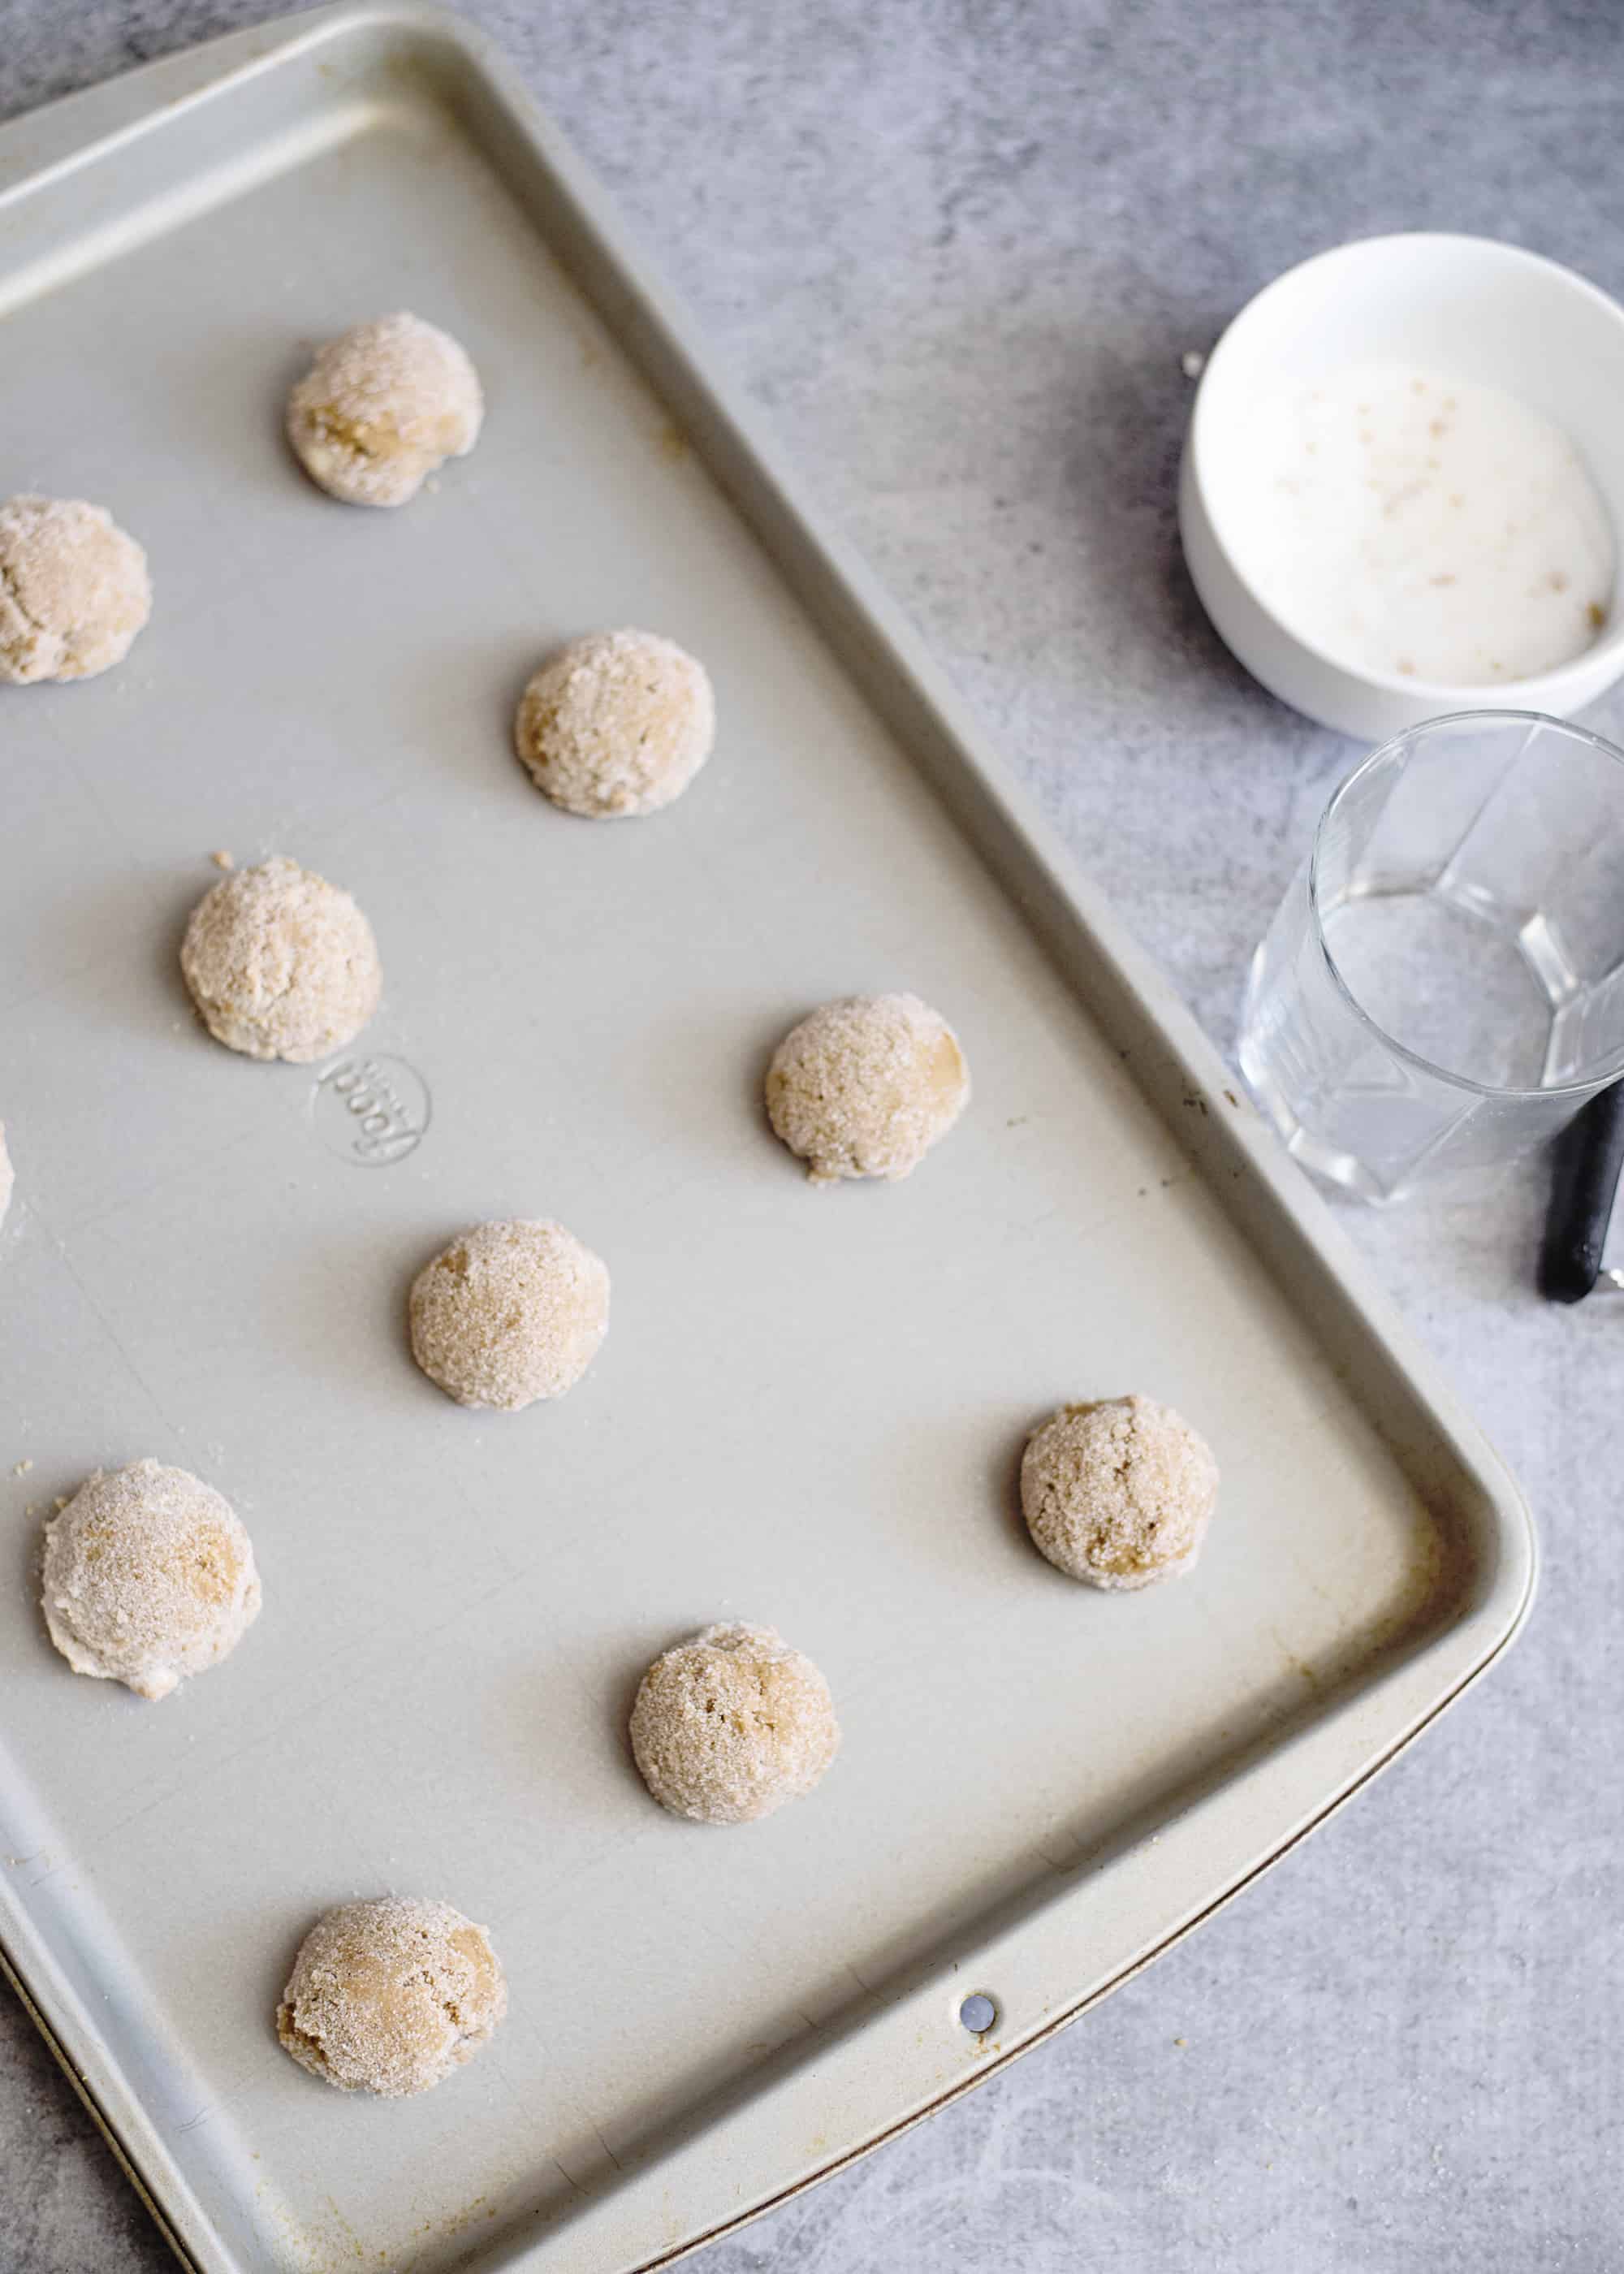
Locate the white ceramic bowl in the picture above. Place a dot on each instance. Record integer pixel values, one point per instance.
(1464, 307)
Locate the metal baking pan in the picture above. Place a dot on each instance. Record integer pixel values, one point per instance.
(811, 1404)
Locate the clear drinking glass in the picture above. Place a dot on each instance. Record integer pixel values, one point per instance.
(1443, 985)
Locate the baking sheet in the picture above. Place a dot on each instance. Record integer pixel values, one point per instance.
(811, 1405)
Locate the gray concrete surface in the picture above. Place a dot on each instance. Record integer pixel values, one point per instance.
(957, 251)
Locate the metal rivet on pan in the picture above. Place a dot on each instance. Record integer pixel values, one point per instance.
(978, 2012)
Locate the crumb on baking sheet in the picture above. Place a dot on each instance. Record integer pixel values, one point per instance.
(1192, 363)
(21, 1468)
(223, 860)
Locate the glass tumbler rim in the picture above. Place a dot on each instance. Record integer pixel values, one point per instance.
(1366, 766)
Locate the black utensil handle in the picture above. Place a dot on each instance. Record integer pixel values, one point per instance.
(1589, 1153)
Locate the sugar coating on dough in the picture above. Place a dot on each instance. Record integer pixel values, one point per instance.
(149, 1577)
(730, 1726)
(74, 590)
(1119, 1493)
(616, 724)
(864, 1087)
(382, 407)
(390, 1995)
(6, 1179)
(512, 1312)
(280, 963)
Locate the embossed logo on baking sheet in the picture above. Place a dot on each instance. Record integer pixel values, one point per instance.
(373, 1110)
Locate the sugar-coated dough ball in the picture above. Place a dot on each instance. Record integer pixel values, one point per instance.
(5, 1175)
(281, 964)
(74, 590)
(730, 1726)
(383, 406)
(615, 724)
(149, 1577)
(866, 1086)
(389, 1996)
(509, 1313)
(1119, 1493)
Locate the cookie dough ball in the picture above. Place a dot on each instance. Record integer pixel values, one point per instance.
(866, 1086)
(383, 407)
(1120, 1493)
(390, 1996)
(149, 1577)
(5, 1175)
(730, 1726)
(616, 724)
(510, 1312)
(74, 590)
(281, 964)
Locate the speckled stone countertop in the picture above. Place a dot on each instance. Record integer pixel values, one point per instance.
(957, 248)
